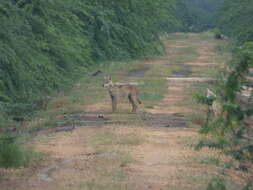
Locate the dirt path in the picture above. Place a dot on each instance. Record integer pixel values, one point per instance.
(150, 150)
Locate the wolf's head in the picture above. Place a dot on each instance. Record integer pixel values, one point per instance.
(107, 82)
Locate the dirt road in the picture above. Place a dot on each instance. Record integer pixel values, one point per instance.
(151, 150)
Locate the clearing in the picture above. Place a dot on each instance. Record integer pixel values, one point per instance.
(153, 149)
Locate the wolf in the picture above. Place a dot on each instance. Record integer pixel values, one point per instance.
(122, 90)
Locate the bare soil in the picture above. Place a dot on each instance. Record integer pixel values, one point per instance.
(148, 150)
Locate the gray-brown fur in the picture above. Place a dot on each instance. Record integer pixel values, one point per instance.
(117, 91)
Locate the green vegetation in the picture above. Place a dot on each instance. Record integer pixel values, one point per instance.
(12, 154)
(198, 15)
(46, 45)
(208, 160)
(217, 183)
(232, 130)
(236, 20)
(153, 88)
(109, 167)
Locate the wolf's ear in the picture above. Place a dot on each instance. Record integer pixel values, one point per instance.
(110, 78)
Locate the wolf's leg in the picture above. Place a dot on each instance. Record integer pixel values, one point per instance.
(133, 103)
(114, 103)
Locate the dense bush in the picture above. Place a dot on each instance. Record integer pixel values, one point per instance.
(236, 20)
(39, 46)
(46, 44)
(198, 15)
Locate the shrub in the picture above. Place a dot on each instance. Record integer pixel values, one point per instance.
(217, 183)
(13, 154)
(236, 20)
(231, 132)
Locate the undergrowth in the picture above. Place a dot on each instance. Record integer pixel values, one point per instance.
(14, 154)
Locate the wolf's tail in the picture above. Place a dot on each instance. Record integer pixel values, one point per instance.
(139, 101)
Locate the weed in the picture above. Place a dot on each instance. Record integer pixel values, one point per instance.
(208, 160)
(217, 183)
(118, 175)
(13, 154)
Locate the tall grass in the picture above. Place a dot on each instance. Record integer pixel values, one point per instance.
(13, 154)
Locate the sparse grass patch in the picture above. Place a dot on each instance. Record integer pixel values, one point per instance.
(13, 154)
(179, 59)
(125, 159)
(44, 123)
(197, 118)
(188, 141)
(109, 173)
(118, 175)
(223, 47)
(112, 158)
(178, 36)
(154, 87)
(96, 185)
(216, 183)
(208, 160)
(207, 35)
(151, 97)
(223, 52)
(109, 138)
(204, 71)
(183, 54)
(201, 179)
(149, 106)
(125, 117)
(189, 50)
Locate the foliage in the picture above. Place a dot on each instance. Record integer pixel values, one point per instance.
(236, 20)
(231, 128)
(36, 51)
(198, 15)
(232, 132)
(13, 154)
(46, 44)
(216, 183)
